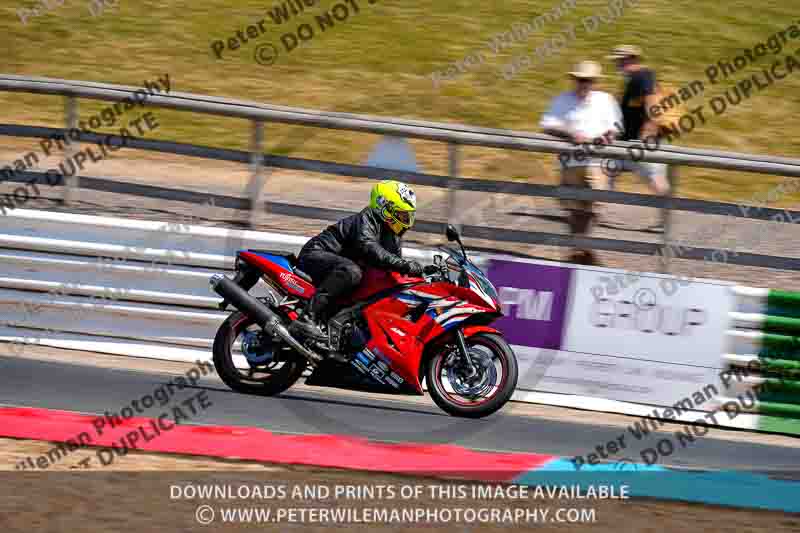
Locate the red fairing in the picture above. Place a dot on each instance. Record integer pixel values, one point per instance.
(396, 339)
(285, 278)
(469, 296)
(469, 331)
(375, 280)
(402, 341)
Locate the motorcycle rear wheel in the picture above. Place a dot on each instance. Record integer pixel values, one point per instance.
(274, 379)
(481, 395)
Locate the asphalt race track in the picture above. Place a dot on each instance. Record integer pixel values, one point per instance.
(311, 410)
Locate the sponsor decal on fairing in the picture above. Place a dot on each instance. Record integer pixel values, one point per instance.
(289, 280)
(376, 368)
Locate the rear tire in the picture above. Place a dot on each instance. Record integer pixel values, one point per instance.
(273, 383)
(448, 402)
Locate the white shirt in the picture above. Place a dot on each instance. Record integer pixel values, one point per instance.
(591, 117)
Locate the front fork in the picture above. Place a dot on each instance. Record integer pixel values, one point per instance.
(464, 352)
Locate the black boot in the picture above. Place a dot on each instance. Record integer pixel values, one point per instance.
(309, 325)
(336, 284)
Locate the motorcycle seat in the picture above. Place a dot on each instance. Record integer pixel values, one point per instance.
(288, 255)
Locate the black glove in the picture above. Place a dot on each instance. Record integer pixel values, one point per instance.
(414, 269)
(430, 269)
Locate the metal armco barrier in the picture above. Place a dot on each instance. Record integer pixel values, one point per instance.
(763, 358)
(454, 135)
(119, 286)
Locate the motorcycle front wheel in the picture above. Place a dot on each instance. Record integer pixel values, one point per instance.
(260, 366)
(476, 390)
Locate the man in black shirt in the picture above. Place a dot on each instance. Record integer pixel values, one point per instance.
(640, 93)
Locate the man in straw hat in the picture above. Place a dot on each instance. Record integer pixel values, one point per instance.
(583, 115)
(639, 94)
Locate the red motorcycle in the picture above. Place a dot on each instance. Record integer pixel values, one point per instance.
(384, 337)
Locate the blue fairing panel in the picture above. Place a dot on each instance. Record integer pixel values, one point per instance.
(277, 259)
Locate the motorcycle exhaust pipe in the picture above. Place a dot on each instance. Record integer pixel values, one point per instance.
(269, 321)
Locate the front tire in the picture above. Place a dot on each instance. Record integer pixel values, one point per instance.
(274, 376)
(480, 395)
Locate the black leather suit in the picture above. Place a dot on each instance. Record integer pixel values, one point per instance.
(332, 258)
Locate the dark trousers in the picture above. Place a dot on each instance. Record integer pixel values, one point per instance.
(333, 275)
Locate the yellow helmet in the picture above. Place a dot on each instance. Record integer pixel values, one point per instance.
(397, 204)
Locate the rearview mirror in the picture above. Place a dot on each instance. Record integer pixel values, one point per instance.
(452, 233)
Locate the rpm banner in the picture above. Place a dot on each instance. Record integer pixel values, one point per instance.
(533, 296)
(636, 343)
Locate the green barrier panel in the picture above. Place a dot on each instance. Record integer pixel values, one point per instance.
(783, 311)
(783, 303)
(778, 397)
(783, 325)
(778, 425)
(779, 409)
(787, 386)
(780, 346)
(779, 368)
(787, 299)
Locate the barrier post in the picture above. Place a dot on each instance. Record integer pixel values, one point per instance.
(666, 218)
(71, 183)
(453, 152)
(256, 169)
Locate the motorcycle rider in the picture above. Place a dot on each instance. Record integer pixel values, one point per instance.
(372, 237)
